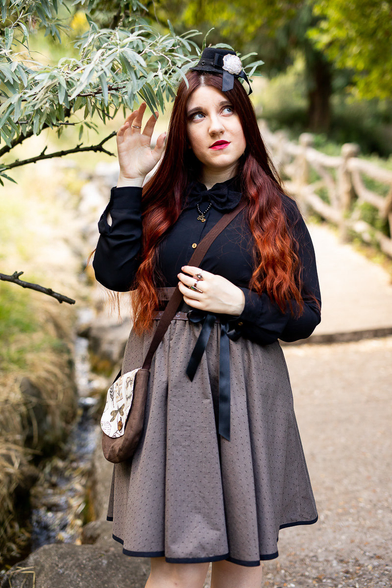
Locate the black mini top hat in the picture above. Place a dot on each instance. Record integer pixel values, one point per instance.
(223, 62)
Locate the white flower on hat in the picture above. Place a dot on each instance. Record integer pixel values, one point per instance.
(232, 64)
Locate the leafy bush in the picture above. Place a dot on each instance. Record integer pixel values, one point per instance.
(282, 103)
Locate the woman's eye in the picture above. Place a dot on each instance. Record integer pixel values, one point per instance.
(197, 116)
(228, 110)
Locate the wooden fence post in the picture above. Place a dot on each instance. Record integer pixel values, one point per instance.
(345, 190)
(302, 173)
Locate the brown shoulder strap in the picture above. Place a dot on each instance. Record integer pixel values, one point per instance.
(176, 298)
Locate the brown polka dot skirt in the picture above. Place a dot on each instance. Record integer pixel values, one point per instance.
(192, 496)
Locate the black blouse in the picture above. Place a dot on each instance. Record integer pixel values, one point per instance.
(231, 255)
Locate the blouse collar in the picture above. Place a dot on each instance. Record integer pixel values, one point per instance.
(224, 196)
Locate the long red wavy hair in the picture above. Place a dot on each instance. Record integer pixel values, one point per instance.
(277, 269)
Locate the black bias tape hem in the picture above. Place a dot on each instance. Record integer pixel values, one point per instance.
(285, 525)
(225, 557)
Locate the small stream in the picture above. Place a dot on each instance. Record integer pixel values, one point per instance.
(59, 499)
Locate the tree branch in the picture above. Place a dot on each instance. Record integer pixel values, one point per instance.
(78, 149)
(30, 133)
(16, 142)
(14, 279)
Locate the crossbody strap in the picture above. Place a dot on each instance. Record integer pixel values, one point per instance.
(176, 298)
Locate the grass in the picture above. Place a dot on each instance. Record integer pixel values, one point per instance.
(35, 337)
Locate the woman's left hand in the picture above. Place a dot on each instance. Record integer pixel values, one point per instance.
(210, 292)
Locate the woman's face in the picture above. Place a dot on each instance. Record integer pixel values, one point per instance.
(214, 131)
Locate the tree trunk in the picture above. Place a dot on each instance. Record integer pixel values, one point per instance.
(319, 92)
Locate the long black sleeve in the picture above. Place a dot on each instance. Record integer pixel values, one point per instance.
(263, 321)
(116, 256)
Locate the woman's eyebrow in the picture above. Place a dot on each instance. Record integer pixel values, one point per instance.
(201, 109)
(193, 110)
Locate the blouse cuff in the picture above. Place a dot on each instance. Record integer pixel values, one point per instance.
(125, 197)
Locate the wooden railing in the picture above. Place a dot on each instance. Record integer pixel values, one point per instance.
(334, 187)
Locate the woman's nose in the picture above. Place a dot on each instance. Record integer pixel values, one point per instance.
(216, 125)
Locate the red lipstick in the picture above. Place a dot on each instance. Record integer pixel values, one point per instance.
(219, 145)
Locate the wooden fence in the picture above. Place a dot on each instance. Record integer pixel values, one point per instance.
(335, 187)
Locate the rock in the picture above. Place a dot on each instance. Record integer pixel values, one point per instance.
(101, 483)
(107, 339)
(98, 533)
(78, 566)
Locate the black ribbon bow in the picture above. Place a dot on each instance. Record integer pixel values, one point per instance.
(223, 195)
(208, 319)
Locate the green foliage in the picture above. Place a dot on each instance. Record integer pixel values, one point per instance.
(371, 215)
(358, 35)
(115, 68)
(367, 122)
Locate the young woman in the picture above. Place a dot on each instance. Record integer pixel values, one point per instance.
(194, 492)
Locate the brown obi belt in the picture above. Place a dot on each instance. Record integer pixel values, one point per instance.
(208, 320)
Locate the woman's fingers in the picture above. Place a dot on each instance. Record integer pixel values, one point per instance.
(150, 125)
(133, 122)
(210, 292)
(159, 146)
(193, 278)
(138, 120)
(190, 296)
(196, 272)
(192, 281)
(136, 157)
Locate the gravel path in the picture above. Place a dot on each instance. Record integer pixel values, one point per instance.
(343, 399)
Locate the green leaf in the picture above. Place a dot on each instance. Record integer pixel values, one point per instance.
(5, 116)
(149, 97)
(41, 14)
(61, 93)
(46, 8)
(81, 129)
(171, 28)
(36, 123)
(6, 70)
(104, 86)
(56, 33)
(4, 175)
(6, 137)
(22, 74)
(18, 107)
(9, 35)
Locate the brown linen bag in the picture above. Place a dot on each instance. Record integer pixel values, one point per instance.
(122, 448)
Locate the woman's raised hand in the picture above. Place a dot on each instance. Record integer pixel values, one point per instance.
(210, 292)
(135, 156)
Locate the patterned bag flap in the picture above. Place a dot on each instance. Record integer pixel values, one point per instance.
(118, 404)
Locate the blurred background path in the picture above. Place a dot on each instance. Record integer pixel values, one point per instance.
(356, 292)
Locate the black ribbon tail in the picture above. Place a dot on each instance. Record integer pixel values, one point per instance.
(200, 346)
(224, 367)
(227, 81)
(245, 77)
(224, 385)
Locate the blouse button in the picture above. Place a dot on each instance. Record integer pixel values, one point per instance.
(194, 245)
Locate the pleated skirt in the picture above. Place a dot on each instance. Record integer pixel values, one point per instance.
(189, 494)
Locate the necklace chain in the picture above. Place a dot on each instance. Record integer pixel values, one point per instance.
(202, 214)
